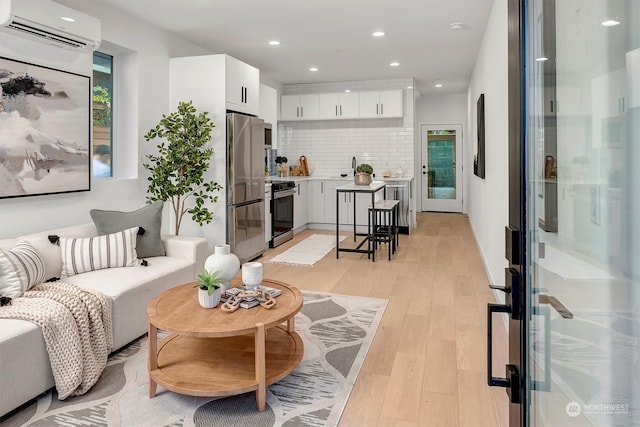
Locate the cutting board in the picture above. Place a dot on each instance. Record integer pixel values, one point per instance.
(304, 165)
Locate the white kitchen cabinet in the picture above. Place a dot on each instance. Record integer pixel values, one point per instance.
(316, 202)
(340, 105)
(299, 107)
(269, 111)
(609, 103)
(383, 103)
(242, 86)
(301, 205)
(330, 203)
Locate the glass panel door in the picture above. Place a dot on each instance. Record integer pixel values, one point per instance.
(582, 134)
(441, 168)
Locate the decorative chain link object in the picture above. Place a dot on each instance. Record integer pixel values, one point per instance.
(233, 303)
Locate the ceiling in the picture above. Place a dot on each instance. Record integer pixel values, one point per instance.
(333, 35)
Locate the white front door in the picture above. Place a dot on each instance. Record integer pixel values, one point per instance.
(441, 168)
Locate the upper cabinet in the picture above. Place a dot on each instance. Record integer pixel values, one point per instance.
(242, 86)
(383, 103)
(338, 105)
(299, 107)
(342, 105)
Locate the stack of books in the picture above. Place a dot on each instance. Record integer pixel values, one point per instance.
(249, 302)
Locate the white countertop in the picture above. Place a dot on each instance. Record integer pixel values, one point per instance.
(371, 188)
(333, 178)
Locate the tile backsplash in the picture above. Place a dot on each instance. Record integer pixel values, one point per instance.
(330, 145)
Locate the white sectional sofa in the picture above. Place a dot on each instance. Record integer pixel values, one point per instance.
(25, 371)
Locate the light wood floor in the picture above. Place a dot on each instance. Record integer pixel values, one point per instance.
(427, 364)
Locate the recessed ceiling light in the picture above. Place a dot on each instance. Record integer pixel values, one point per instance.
(313, 69)
(274, 42)
(394, 64)
(456, 26)
(378, 34)
(66, 18)
(409, 87)
(348, 90)
(542, 59)
(438, 85)
(610, 23)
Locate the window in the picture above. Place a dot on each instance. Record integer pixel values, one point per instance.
(102, 114)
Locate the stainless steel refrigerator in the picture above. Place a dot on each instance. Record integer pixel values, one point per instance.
(245, 186)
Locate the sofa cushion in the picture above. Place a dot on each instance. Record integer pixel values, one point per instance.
(80, 255)
(131, 290)
(20, 268)
(148, 217)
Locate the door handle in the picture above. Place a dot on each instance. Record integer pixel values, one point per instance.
(512, 379)
(511, 289)
(557, 305)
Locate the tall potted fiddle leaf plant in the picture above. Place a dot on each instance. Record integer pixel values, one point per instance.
(178, 170)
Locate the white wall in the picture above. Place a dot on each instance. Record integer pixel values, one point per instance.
(153, 49)
(330, 144)
(488, 199)
(446, 108)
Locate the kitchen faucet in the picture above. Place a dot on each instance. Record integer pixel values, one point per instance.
(353, 165)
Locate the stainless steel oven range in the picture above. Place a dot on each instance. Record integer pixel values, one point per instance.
(281, 212)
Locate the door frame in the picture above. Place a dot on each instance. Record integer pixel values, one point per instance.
(516, 288)
(460, 176)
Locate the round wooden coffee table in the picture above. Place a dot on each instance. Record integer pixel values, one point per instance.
(213, 353)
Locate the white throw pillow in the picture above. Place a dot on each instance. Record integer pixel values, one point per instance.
(20, 268)
(80, 255)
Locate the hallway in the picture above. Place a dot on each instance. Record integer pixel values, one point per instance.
(427, 364)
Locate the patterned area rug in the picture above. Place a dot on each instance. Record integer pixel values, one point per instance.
(309, 251)
(337, 331)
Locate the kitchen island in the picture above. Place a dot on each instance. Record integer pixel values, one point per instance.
(355, 189)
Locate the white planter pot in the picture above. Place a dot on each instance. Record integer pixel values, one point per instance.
(225, 262)
(206, 300)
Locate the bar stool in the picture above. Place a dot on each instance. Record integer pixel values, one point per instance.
(386, 231)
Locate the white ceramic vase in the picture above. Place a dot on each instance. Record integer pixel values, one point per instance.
(225, 262)
(206, 300)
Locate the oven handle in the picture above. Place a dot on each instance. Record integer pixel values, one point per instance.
(285, 193)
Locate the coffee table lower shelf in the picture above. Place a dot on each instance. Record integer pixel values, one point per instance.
(225, 366)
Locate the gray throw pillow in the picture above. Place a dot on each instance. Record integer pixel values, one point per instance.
(148, 217)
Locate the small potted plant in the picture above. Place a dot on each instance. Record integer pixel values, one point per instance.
(209, 284)
(363, 174)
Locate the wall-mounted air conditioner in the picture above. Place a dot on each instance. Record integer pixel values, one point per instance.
(51, 23)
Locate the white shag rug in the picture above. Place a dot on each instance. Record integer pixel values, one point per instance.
(309, 251)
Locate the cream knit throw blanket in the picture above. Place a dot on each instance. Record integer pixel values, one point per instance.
(76, 325)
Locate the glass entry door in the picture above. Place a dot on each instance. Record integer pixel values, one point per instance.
(582, 142)
(572, 288)
(441, 168)
(582, 197)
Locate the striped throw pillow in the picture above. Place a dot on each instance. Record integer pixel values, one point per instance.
(80, 255)
(20, 268)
